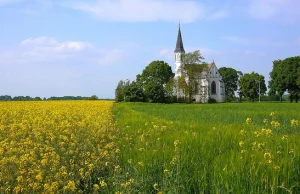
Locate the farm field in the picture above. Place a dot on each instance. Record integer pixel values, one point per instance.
(210, 148)
(56, 146)
(106, 147)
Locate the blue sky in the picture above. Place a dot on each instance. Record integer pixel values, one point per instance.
(71, 47)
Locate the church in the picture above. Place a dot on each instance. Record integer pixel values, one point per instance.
(210, 80)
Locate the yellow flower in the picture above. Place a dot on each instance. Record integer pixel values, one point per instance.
(241, 143)
(96, 187)
(155, 186)
(242, 132)
(285, 137)
(267, 155)
(140, 164)
(272, 114)
(103, 183)
(248, 121)
(265, 121)
(294, 122)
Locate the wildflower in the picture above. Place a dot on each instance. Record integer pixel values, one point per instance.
(131, 180)
(140, 164)
(103, 183)
(285, 137)
(241, 143)
(267, 155)
(117, 151)
(291, 151)
(166, 171)
(96, 187)
(294, 122)
(265, 121)
(242, 132)
(272, 114)
(276, 167)
(248, 121)
(155, 186)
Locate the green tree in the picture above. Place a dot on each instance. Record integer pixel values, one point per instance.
(252, 85)
(298, 79)
(230, 77)
(277, 83)
(191, 71)
(284, 76)
(119, 92)
(153, 80)
(133, 92)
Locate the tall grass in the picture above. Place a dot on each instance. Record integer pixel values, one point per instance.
(221, 148)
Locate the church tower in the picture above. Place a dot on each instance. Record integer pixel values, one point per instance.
(179, 51)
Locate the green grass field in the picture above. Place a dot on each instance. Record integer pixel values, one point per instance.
(208, 148)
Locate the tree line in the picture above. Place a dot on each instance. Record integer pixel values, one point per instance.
(156, 83)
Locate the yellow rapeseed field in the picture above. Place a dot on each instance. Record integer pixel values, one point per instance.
(56, 146)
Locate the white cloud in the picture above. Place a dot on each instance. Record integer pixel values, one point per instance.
(248, 41)
(142, 10)
(284, 10)
(7, 2)
(45, 66)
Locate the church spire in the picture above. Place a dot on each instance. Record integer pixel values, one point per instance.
(179, 44)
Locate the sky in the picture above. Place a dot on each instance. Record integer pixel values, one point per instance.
(83, 48)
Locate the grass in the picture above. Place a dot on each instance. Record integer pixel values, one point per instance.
(178, 148)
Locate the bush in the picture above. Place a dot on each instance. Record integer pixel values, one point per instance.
(211, 101)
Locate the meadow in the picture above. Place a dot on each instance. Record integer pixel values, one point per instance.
(210, 148)
(106, 147)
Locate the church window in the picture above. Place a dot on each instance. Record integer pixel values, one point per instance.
(213, 88)
(216, 72)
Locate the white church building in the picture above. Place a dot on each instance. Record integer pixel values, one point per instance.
(211, 84)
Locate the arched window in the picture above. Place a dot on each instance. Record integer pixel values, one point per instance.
(213, 88)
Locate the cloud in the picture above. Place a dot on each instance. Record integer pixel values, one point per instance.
(248, 41)
(141, 10)
(45, 66)
(8, 2)
(284, 10)
(49, 50)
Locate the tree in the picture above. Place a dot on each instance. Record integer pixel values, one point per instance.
(230, 77)
(240, 92)
(133, 92)
(119, 92)
(298, 79)
(191, 71)
(253, 85)
(277, 83)
(284, 77)
(153, 80)
(93, 97)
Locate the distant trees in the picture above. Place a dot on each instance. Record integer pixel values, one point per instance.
(252, 85)
(230, 77)
(285, 76)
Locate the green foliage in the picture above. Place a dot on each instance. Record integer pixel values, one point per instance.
(133, 93)
(119, 92)
(230, 78)
(188, 82)
(93, 97)
(251, 84)
(219, 148)
(211, 101)
(153, 80)
(284, 76)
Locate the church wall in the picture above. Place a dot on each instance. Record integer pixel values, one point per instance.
(214, 76)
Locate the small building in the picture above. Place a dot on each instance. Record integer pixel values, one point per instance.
(210, 80)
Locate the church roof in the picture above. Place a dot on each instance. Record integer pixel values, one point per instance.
(179, 44)
(207, 70)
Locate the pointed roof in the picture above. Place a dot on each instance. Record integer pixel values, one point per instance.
(179, 44)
